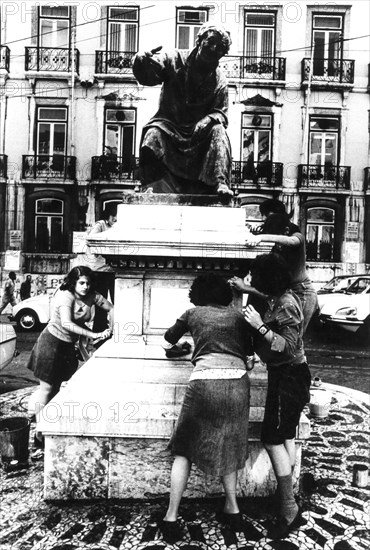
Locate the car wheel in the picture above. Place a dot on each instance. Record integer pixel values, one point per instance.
(27, 319)
(363, 332)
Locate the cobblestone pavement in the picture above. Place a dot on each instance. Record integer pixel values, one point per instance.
(337, 514)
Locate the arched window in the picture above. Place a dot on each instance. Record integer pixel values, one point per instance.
(49, 225)
(320, 230)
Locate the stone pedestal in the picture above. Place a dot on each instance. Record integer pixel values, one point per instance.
(106, 432)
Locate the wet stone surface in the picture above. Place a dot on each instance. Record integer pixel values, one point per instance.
(337, 514)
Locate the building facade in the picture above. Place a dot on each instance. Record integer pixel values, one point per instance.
(71, 115)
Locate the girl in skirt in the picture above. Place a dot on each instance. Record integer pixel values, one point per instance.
(212, 429)
(53, 358)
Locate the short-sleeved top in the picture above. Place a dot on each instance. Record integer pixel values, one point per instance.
(295, 257)
(81, 313)
(285, 318)
(215, 329)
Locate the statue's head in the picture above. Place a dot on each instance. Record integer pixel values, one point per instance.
(213, 37)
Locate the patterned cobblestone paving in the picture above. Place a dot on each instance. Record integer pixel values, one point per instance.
(337, 513)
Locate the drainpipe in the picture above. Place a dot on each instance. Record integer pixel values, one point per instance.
(306, 119)
(72, 91)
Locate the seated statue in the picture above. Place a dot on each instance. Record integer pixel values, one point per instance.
(184, 147)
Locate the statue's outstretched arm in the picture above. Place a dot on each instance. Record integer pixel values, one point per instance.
(149, 67)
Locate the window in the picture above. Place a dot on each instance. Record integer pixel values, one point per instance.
(259, 39)
(49, 225)
(256, 142)
(54, 27)
(51, 130)
(320, 234)
(188, 23)
(120, 135)
(123, 26)
(323, 142)
(327, 44)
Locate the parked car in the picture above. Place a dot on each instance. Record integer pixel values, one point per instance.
(338, 283)
(348, 307)
(33, 312)
(7, 344)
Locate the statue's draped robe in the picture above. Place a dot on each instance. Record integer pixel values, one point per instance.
(167, 140)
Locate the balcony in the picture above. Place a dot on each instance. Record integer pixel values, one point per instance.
(4, 58)
(337, 71)
(52, 59)
(119, 169)
(3, 166)
(313, 176)
(49, 167)
(114, 62)
(257, 174)
(257, 68)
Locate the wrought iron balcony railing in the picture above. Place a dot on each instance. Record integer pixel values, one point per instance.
(262, 68)
(341, 71)
(112, 168)
(245, 173)
(51, 59)
(113, 62)
(367, 179)
(3, 166)
(49, 166)
(4, 57)
(313, 176)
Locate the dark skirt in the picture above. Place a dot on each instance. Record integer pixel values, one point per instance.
(52, 360)
(212, 428)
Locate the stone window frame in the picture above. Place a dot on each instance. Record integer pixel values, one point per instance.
(35, 19)
(30, 217)
(203, 8)
(104, 23)
(277, 9)
(318, 9)
(338, 205)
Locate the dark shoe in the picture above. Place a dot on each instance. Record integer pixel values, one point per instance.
(38, 443)
(282, 528)
(234, 521)
(171, 531)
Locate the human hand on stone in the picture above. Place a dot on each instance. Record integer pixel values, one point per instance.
(178, 350)
(252, 240)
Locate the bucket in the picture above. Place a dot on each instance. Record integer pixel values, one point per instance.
(360, 475)
(320, 400)
(14, 439)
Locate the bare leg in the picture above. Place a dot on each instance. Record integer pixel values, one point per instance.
(179, 478)
(39, 399)
(229, 483)
(280, 459)
(289, 445)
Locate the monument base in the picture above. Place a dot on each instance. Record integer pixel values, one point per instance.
(106, 432)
